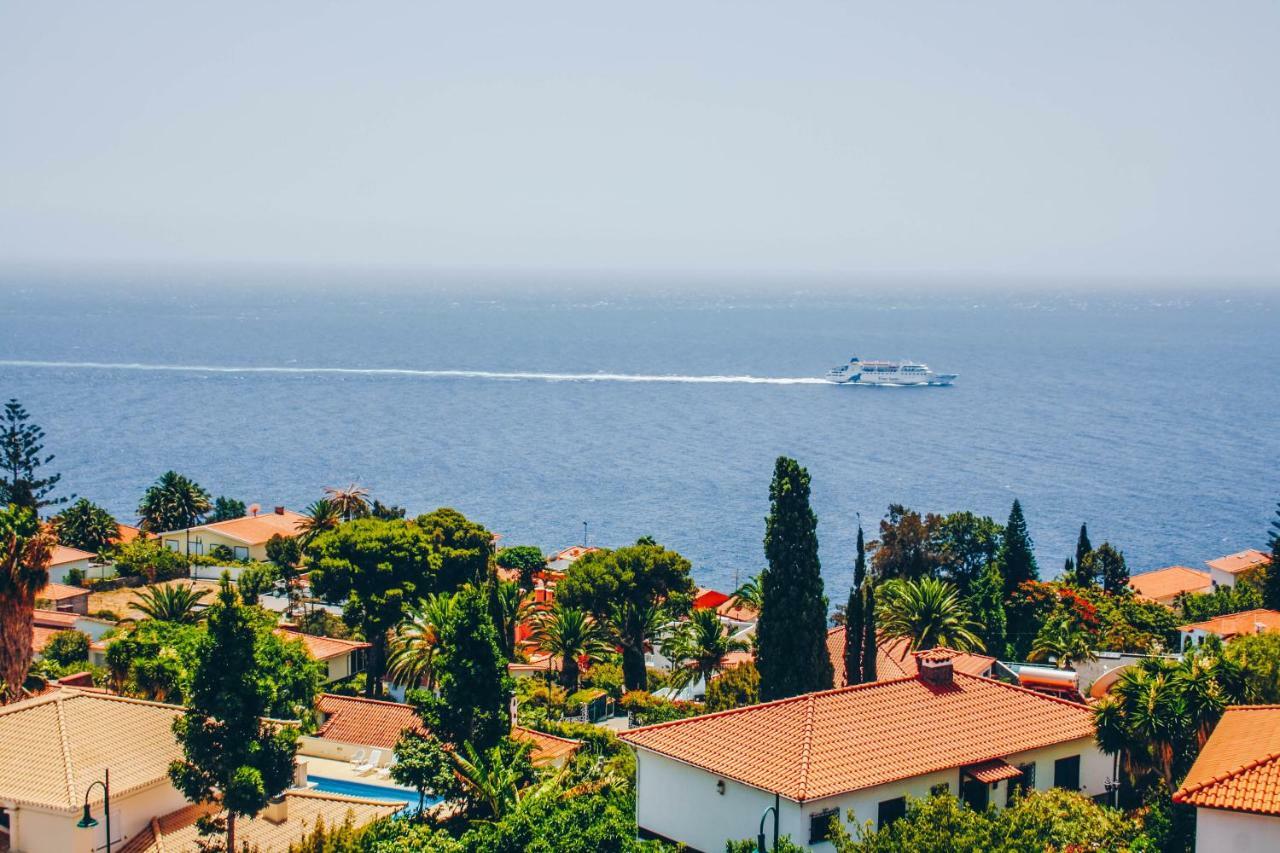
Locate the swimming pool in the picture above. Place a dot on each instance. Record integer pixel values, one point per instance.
(368, 791)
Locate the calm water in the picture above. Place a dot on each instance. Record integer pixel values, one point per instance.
(1149, 417)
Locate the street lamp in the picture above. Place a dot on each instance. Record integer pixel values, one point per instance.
(88, 821)
(760, 837)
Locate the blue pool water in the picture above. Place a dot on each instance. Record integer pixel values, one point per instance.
(368, 791)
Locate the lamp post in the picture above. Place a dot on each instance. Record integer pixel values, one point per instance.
(88, 821)
(760, 836)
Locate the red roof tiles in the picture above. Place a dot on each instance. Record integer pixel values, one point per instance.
(1235, 624)
(322, 648)
(894, 658)
(1239, 767)
(829, 743)
(368, 722)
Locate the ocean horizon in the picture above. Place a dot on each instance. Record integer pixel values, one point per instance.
(660, 412)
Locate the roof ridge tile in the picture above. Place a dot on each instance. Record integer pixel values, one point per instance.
(65, 740)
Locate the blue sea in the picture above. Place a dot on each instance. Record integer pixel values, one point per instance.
(659, 408)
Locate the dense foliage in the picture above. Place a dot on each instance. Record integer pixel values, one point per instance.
(527, 560)
(86, 526)
(173, 502)
(737, 687)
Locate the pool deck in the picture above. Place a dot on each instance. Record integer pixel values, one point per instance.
(343, 771)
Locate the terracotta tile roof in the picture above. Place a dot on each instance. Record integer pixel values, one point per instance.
(63, 554)
(537, 663)
(1234, 624)
(254, 529)
(126, 533)
(40, 637)
(710, 598)
(1239, 767)
(546, 747)
(1166, 583)
(177, 830)
(1243, 561)
(54, 746)
(367, 722)
(60, 592)
(740, 613)
(994, 770)
(55, 619)
(322, 648)
(894, 658)
(829, 743)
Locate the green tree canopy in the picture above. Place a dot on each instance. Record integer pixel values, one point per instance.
(173, 502)
(986, 606)
(225, 509)
(627, 589)
(1105, 564)
(734, 688)
(1271, 579)
(792, 631)
(380, 568)
(86, 526)
(525, 559)
(21, 457)
(854, 617)
(231, 755)
(905, 549)
(1017, 552)
(464, 547)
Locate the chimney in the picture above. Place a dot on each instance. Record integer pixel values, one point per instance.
(277, 810)
(279, 510)
(935, 671)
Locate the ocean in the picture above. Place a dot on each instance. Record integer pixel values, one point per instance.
(660, 411)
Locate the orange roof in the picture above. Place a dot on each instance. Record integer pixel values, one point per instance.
(1244, 561)
(322, 648)
(1239, 767)
(126, 533)
(254, 529)
(738, 613)
(60, 592)
(40, 636)
(894, 658)
(368, 722)
(55, 619)
(1235, 624)
(63, 554)
(1165, 583)
(712, 598)
(825, 744)
(546, 747)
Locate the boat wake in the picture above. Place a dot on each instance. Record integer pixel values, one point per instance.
(516, 376)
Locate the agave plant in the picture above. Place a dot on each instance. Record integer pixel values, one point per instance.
(170, 603)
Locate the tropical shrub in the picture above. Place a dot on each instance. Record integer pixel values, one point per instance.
(647, 709)
(736, 687)
(67, 647)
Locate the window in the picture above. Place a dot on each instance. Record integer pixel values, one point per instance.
(975, 794)
(173, 545)
(1025, 782)
(1066, 773)
(820, 825)
(197, 546)
(940, 789)
(890, 810)
(241, 552)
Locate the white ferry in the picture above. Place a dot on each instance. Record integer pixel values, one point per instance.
(859, 372)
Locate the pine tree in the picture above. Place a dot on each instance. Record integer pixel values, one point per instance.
(853, 639)
(792, 632)
(868, 632)
(1108, 564)
(1017, 559)
(21, 444)
(1083, 548)
(1271, 581)
(987, 605)
(231, 756)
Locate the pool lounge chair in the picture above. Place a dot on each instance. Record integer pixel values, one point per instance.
(358, 758)
(375, 758)
(385, 772)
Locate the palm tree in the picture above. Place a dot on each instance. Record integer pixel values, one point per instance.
(413, 649)
(320, 516)
(515, 607)
(170, 603)
(489, 777)
(173, 502)
(928, 612)
(352, 502)
(25, 549)
(698, 646)
(751, 593)
(1063, 641)
(572, 635)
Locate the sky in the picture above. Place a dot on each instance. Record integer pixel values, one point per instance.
(1092, 139)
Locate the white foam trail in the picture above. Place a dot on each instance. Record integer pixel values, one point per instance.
(436, 374)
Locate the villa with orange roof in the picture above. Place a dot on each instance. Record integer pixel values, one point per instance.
(1225, 571)
(1163, 586)
(64, 559)
(1235, 783)
(246, 537)
(341, 658)
(1230, 626)
(858, 752)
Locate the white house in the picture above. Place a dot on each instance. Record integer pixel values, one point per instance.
(1235, 783)
(341, 658)
(1225, 571)
(858, 753)
(1230, 626)
(246, 537)
(64, 559)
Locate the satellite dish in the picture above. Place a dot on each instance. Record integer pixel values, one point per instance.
(254, 509)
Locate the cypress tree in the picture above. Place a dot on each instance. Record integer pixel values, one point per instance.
(868, 632)
(792, 631)
(1069, 571)
(987, 606)
(1083, 549)
(1017, 560)
(1271, 581)
(853, 618)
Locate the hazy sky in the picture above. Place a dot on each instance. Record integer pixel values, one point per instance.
(1083, 138)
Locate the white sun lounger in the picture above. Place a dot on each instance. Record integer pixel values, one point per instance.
(375, 758)
(358, 758)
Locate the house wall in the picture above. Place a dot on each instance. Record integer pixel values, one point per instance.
(202, 539)
(680, 802)
(58, 573)
(339, 667)
(39, 831)
(1219, 831)
(1221, 578)
(323, 747)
